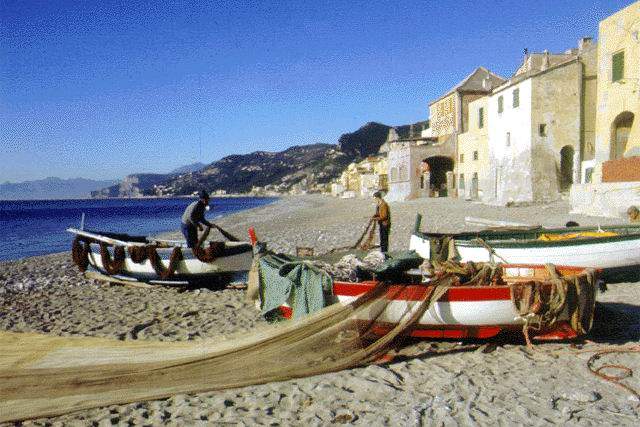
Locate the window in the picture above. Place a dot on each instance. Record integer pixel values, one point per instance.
(588, 175)
(508, 139)
(461, 184)
(461, 158)
(617, 66)
(475, 155)
(394, 174)
(516, 98)
(404, 173)
(480, 118)
(542, 129)
(500, 104)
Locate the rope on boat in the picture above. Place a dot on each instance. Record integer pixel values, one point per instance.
(80, 253)
(116, 265)
(492, 252)
(139, 254)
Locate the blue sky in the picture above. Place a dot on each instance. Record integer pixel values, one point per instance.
(103, 89)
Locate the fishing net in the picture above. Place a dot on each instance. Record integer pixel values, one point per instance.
(43, 375)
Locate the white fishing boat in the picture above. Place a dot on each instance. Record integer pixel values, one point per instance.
(144, 259)
(615, 248)
(511, 298)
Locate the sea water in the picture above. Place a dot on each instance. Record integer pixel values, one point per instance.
(37, 227)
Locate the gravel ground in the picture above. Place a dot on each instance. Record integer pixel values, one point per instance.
(445, 383)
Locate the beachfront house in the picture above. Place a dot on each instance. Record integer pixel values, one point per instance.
(363, 178)
(473, 168)
(405, 148)
(421, 163)
(612, 176)
(540, 126)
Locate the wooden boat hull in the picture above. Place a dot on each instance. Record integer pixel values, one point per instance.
(237, 258)
(618, 256)
(463, 311)
(190, 269)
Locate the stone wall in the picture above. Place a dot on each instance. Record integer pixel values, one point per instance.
(605, 199)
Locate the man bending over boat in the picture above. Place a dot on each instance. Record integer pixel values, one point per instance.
(383, 216)
(193, 218)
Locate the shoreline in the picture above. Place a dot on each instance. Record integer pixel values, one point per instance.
(446, 382)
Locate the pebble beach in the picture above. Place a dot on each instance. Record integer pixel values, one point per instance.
(429, 383)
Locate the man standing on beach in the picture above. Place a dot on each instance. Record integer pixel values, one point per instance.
(193, 218)
(383, 216)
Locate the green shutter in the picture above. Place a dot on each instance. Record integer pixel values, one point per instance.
(516, 98)
(500, 106)
(617, 66)
(480, 117)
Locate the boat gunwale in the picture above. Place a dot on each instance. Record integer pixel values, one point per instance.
(530, 238)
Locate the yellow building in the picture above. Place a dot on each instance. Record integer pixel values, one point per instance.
(617, 128)
(365, 177)
(473, 167)
(612, 176)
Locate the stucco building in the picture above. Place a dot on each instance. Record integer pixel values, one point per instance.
(539, 126)
(363, 178)
(422, 163)
(613, 174)
(473, 167)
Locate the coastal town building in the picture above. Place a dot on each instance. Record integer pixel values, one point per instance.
(406, 149)
(612, 176)
(473, 167)
(539, 126)
(421, 164)
(362, 179)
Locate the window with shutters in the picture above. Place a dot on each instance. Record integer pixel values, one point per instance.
(516, 98)
(475, 155)
(461, 158)
(617, 66)
(480, 118)
(500, 104)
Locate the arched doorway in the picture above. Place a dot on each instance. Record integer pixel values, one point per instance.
(438, 167)
(620, 129)
(566, 167)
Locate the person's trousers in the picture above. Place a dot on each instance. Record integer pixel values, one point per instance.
(190, 233)
(384, 237)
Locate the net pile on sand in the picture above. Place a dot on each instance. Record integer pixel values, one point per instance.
(42, 375)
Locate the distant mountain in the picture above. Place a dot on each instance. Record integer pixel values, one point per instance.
(365, 141)
(305, 167)
(135, 185)
(51, 188)
(142, 184)
(193, 167)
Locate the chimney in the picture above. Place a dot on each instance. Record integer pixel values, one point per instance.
(486, 83)
(545, 60)
(584, 43)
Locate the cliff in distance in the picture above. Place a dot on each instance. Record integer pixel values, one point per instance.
(303, 167)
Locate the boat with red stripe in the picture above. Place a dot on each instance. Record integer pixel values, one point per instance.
(480, 311)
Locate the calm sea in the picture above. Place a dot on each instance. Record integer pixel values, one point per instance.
(37, 227)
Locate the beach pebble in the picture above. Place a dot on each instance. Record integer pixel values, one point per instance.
(508, 386)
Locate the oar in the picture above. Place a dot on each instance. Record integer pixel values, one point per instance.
(227, 235)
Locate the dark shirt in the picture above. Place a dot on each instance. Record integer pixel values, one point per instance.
(194, 214)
